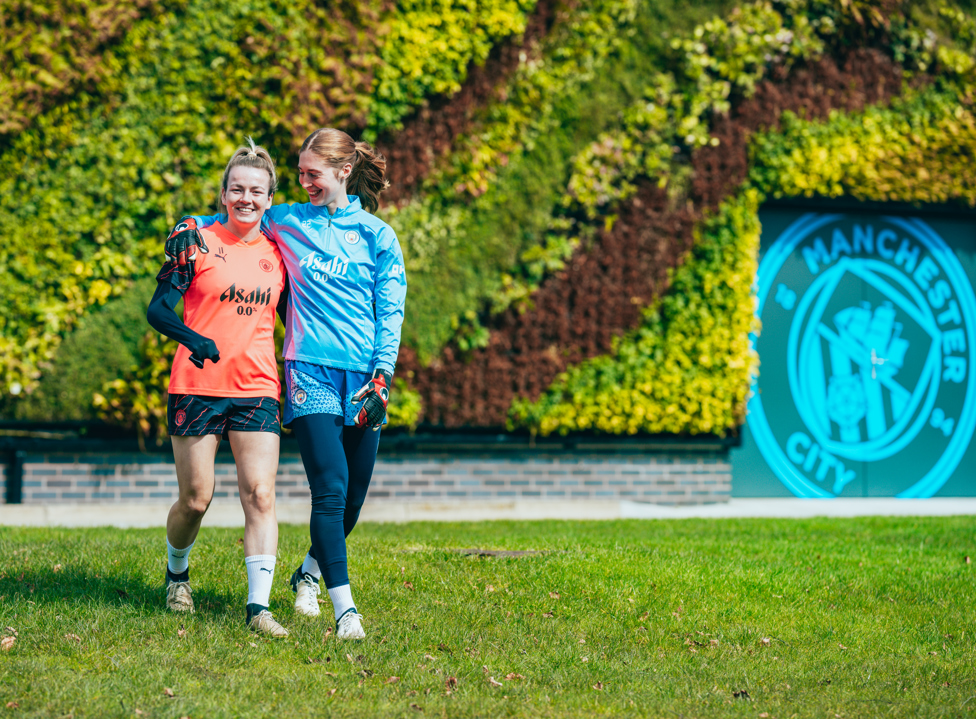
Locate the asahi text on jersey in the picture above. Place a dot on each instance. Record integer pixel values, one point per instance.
(242, 296)
(321, 269)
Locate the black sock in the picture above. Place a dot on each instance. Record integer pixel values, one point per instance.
(183, 576)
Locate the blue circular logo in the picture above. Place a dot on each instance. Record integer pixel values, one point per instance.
(867, 354)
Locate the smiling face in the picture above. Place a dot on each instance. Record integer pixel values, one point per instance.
(324, 184)
(247, 195)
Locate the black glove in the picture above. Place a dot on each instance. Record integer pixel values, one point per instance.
(374, 395)
(204, 349)
(181, 248)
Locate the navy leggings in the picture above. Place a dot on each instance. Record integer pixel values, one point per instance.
(339, 462)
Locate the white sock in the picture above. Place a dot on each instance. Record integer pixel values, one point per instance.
(178, 560)
(260, 577)
(311, 566)
(341, 600)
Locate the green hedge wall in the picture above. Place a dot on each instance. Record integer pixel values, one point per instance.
(616, 95)
(687, 369)
(93, 182)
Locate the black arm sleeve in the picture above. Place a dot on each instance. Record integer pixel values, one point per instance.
(282, 308)
(163, 318)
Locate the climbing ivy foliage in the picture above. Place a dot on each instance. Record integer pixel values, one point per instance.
(118, 122)
(114, 125)
(429, 47)
(688, 368)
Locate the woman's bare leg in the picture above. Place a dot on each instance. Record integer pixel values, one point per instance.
(256, 455)
(195, 474)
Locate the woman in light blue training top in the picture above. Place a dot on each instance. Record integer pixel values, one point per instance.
(347, 289)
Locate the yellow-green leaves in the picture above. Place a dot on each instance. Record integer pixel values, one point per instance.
(687, 369)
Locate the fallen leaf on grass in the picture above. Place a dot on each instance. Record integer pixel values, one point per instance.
(366, 673)
(548, 615)
(169, 692)
(513, 676)
(741, 694)
(451, 682)
(932, 653)
(492, 682)
(489, 588)
(484, 669)
(554, 595)
(328, 633)
(13, 705)
(254, 645)
(968, 561)
(416, 707)
(57, 567)
(763, 715)
(644, 616)
(139, 712)
(181, 633)
(713, 642)
(408, 585)
(11, 630)
(429, 657)
(598, 686)
(582, 641)
(72, 637)
(585, 659)
(392, 680)
(240, 540)
(6, 643)
(349, 658)
(320, 601)
(764, 641)
(331, 692)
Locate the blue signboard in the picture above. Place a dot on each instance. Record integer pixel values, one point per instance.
(867, 351)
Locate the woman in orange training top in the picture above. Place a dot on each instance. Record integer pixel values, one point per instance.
(229, 315)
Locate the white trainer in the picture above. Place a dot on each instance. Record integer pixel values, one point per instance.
(306, 588)
(350, 626)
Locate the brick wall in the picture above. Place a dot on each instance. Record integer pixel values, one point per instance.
(658, 478)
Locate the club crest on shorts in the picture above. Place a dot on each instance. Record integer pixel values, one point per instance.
(180, 418)
(265, 265)
(867, 350)
(352, 237)
(300, 396)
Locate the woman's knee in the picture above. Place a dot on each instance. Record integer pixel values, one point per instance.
(196, 504)
(260, 499)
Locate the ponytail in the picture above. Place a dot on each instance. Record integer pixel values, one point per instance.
(336, 149)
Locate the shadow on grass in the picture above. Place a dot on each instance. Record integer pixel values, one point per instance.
(112, 590)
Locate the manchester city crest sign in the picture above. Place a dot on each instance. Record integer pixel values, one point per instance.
(867, 353)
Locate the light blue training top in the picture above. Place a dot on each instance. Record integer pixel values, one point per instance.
(347, 284)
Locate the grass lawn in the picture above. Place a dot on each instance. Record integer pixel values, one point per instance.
(697, 618)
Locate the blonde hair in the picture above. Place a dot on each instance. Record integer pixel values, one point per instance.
(336, 148)
(250, 156)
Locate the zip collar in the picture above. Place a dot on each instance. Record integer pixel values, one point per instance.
(354, 206)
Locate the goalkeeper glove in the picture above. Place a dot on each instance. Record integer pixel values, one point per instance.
(203, 349)
(181, 247)
(374, 395)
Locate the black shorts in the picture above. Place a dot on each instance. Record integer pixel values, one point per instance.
(192, 415)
